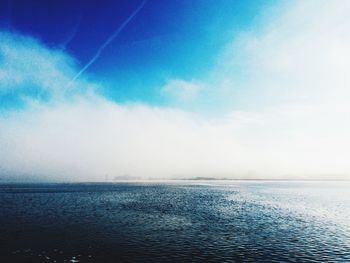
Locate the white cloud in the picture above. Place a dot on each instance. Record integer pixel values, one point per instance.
(27, 65)
(287, 80)
(181, 91)
(77, 134)
(300, 55)
(285, 87)
(88, 139)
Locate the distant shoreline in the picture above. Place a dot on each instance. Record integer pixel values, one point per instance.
(200, 179)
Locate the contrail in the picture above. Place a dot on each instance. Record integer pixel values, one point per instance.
(72, 33)
(108, 41)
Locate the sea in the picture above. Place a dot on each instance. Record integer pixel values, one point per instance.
(176, 221)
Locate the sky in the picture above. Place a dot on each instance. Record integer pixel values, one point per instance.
(174, 89)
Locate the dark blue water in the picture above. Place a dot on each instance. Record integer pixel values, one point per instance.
(176, 222)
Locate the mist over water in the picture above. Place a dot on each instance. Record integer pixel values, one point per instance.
(215, 221)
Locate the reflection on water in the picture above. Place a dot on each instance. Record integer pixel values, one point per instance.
(227, 221)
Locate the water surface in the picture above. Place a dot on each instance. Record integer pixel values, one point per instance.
(229, 221)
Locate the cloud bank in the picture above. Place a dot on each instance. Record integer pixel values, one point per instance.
(281, 89)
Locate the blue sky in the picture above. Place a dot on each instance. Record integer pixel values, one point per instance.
(165, 40)
(234, 89)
